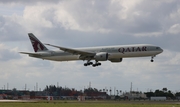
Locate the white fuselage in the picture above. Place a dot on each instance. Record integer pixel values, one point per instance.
(114, 52)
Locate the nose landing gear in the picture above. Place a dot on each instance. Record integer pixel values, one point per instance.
(152, 57)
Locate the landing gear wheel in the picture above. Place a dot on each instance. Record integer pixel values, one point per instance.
(90, 63)
(94, 65)
(152, 58)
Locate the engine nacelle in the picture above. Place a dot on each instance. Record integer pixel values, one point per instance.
(116, 60)
(101, 56)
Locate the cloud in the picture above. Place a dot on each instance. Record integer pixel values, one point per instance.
(12, 2)
(140, 19)
(63, 15)
(81, 23)
(10, 28)
(149, 34)
(174, 29)
(8, 54)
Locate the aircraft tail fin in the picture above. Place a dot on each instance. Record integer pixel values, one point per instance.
(36, 43)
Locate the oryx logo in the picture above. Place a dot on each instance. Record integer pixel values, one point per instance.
(36, 45)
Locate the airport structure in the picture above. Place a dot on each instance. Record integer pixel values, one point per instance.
(134, 95)
(59, 93)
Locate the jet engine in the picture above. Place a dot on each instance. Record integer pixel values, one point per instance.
(116, 60)
(101, 56)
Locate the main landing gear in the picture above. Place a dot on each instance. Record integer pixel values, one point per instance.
(90, 63)
(96, 64)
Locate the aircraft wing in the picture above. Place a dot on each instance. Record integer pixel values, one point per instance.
(31, 54)
(73, 51)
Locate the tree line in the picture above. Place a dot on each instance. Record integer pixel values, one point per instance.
(65, 91)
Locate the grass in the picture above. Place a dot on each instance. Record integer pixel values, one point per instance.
(88, 104)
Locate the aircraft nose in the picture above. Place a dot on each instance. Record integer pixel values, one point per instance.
(161, 50)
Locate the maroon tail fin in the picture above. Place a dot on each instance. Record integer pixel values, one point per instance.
(37, 45)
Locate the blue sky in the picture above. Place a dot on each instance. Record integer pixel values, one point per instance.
(81, 23)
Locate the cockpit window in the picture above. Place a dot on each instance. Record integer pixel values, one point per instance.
(157, 47)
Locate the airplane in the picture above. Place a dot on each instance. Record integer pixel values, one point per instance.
(102, 53)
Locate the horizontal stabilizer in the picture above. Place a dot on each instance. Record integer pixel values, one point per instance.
(31, 54)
